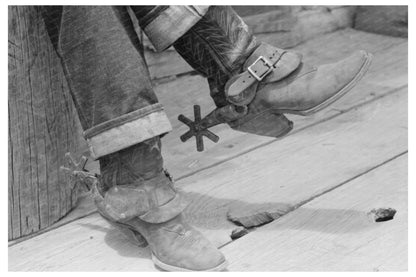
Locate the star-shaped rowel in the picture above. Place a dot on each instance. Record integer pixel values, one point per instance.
(199, 127)
(77, 172)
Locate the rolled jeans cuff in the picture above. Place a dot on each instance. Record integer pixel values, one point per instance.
(127, 130)
(172, 23)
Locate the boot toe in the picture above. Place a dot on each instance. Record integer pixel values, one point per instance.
(351, 66)
(191, 259)
(198, 255)
(332, 81)
(343, 75)
(176, 246)
(208, 260)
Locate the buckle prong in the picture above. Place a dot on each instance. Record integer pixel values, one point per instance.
(266, 62)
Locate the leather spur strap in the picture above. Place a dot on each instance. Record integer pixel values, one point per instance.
(268, 64)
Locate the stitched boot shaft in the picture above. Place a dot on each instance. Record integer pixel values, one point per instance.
(217, 47)
(132, 165)
(134, 184)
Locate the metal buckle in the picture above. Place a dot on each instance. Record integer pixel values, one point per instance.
(266, 62)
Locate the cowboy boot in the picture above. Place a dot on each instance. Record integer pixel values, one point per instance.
(267, 80)
(136, 195)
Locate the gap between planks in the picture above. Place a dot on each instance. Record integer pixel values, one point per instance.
(339, 112)
(308, 124)
(315, 197)
(323, 120)
(292, 170)
(392, 105)
(347, 125)
(333, 232)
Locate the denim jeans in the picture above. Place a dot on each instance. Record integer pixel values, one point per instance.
(103, 62)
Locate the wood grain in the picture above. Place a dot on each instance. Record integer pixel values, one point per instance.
(283, 174)
(387, 20)
(43, 126)
(325, 154)
(333, 232)
(89, 244)
(182, 159)
(389, 53)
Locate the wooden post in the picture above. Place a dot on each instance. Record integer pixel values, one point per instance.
(43, 126)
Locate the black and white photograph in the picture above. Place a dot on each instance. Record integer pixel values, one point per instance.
(233, 138)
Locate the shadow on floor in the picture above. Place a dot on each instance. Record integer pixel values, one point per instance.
(124, 246)
(210, 214)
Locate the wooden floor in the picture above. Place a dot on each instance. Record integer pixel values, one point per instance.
(324, 177)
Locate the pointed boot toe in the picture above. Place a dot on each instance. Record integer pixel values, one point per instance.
(333, 81)
(310, 89)
(201, 256)
(177, 246)
(185, 249)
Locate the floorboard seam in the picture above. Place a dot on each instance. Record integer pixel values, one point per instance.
(310, 199)
(339, 112)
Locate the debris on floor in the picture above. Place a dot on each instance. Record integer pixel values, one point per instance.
(238, 232)
(257, 216)
(252, 220)
(382, 214)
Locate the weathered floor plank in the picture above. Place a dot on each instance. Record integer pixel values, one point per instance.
(179, 95)
(388, 53)
(89, 244)
(182, 159)
(333, 232)
(282, 174)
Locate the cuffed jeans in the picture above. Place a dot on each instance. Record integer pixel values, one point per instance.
(103, 62)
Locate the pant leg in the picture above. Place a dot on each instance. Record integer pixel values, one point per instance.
(217, 45)
(107, 75)
(215, 41)
(163, 25)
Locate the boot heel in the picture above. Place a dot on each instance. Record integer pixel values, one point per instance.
(132, 235)
(266, 123)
